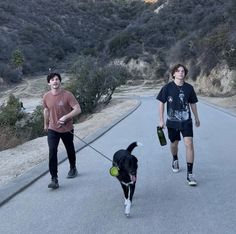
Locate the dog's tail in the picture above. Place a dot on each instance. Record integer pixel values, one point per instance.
(133, 145)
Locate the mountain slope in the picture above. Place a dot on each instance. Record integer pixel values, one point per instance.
(148, 38)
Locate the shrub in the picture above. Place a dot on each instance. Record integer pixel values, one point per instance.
(11, 112)
(230, 56)
(17, 58)
(37, 122)
(9, 74)
(8, 138)
(95, 82)
(119, 43)
(31, 126)
(194, 72)
(17, 126)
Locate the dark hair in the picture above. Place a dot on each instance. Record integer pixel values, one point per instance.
(176, 67)
(51, 75)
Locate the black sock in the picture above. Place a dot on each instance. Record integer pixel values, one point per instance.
(190, 168)
(175, 157)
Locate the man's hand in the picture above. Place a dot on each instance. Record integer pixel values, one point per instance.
(162, 124)
(45, 127)
(62, 121)
(197, 122)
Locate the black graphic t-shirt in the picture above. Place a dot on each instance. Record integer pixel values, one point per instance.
(178, 99)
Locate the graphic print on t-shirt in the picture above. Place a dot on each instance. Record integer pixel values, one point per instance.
(180, 113)
(60, 103)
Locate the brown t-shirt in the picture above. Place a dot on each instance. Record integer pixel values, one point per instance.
(58, 106)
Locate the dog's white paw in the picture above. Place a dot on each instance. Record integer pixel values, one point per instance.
(127, 207)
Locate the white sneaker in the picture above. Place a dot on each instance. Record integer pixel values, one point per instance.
(191, 181)
(175, 166)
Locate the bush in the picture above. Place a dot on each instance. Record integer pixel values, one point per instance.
(11, 112)
(194, 72)
(37, 123)
(9, 74)
(17, 126)
(31, 126)
(230, 56)
(119, 43)
(8, 138)
(94, 82)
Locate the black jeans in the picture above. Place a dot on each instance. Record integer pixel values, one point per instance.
(53, 141)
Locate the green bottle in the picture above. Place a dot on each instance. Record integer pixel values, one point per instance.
(161, 136)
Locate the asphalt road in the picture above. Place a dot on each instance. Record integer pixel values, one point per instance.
(163, 202)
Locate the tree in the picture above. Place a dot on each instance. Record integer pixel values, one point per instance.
(94, 81)
(11, 112)
(17, 59)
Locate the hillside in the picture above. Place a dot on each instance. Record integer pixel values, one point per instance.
(147, 38)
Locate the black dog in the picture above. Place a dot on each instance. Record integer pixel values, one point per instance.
(128, 165)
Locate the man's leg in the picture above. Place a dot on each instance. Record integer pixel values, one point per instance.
(174, 136)
(174, 148)
(188, 141)
(174, 152)
(53, 141)
(67, 139)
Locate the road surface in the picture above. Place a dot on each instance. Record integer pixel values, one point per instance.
(163, 202)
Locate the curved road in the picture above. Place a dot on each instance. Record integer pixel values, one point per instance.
(163, 202)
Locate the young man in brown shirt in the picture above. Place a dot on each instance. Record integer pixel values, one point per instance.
(60, 106)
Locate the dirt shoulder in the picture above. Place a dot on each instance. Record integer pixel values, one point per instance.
(228, 103)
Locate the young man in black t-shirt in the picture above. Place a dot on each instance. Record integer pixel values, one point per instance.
(181, 99)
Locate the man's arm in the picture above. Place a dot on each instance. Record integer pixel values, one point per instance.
(46, 118)
(75, 112)
(195, 113)
(161, 113)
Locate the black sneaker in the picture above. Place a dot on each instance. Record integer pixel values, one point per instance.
(54, 184)
(191, 181)
(72, 173)
(175, 166)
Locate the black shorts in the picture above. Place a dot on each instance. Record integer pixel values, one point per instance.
(174, 134)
